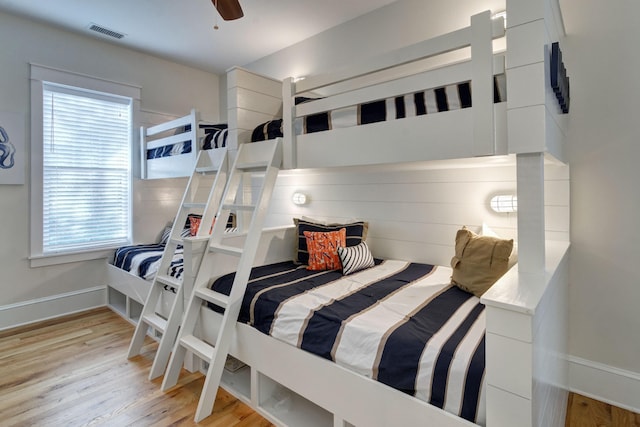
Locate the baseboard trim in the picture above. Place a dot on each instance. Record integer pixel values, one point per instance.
(26, 312)
(605, 383)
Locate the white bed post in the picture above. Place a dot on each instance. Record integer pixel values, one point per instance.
(531, 227)
(288, 116)
(143, 153)
(482, 83)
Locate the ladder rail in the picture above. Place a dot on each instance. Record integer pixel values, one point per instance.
(265, 158)
(208, 162)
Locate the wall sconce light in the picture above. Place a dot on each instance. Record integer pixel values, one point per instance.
(504, 203)
(299, 198)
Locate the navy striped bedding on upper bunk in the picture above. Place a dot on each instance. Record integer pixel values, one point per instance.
(399, 323)
(430, 101)
(215, 137)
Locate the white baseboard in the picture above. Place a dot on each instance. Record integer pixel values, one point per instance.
(605, 383)
(36, 310)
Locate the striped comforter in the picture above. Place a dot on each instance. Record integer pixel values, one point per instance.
(399, 323)
(144, 260)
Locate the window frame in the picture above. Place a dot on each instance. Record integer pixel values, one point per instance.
(39, 75)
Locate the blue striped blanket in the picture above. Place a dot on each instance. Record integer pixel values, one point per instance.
(400, 323)
(144, 260)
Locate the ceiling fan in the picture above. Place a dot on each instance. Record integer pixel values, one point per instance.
(228, 9)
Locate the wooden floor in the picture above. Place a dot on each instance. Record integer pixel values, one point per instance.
(586, 412)
(74, 371)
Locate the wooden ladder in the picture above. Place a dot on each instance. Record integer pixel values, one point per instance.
(260, 157)
(201, 197)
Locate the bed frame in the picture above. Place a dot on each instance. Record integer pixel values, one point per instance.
(169, 133)
(457, 134)
(127, 293)
(526, 309)
(526, 373)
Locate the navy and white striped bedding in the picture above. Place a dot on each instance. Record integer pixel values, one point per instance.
(215, 137)
(144, 260)
(399, 323)
(429, 101)
(176, 149)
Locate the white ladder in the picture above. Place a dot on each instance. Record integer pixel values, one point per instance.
(200, 197)
(264, 157)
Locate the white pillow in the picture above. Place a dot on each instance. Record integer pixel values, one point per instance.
(513, 258)
(327, 222)
(355, 258)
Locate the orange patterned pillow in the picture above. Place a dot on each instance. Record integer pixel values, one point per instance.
(323, 249)
(194, 225)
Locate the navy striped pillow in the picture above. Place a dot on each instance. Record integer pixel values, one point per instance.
(355, 258)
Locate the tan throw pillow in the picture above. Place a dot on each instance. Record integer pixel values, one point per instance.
(479, 261)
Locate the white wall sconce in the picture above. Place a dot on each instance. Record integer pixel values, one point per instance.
(504, 203)
(299, 198)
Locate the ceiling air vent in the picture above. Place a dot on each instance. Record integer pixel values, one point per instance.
(107, 32)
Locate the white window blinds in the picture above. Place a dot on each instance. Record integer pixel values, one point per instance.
(86, 169)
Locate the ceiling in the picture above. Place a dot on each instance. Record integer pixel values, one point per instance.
(183, 30)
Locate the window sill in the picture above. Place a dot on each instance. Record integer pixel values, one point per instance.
(65, 258)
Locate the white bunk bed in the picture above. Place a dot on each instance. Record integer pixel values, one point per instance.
(170, 149)
(525, 309)
(167, 150)
(127, 291)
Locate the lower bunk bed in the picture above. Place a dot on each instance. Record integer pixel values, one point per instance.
(410, 368)
(133, 268)
(131, 272)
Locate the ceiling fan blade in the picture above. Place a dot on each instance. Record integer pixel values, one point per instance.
(228, 9)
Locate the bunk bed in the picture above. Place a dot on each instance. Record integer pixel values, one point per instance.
(525, 323)
(167, 150)
(132, 269)
(170, 149)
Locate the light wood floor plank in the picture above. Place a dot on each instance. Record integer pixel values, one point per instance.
(73, 371)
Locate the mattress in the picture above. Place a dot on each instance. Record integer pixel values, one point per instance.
(399, 323)
(144, 260)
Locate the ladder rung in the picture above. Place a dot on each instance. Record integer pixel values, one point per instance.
(194, 205)
(196, 239)
(237, 207)
(213, 297)
(168, 280)
(206, 169)
(176, 240)
(248, 166)
(234, 233)
(155, 321)
(197, 346)
(225, 249)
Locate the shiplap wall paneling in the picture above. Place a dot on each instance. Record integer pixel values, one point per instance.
(412, 214)
(252, 99)
(156, 203)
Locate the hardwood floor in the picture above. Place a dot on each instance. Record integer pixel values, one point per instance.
(585, 412)
(73, 371)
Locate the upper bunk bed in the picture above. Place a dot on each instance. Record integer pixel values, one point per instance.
(383, 110)
(170, 149)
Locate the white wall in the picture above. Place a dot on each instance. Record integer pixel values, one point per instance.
(603, 59)
(166, 87)
(399, 24)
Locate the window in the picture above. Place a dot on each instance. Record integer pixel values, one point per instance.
(81, 165)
